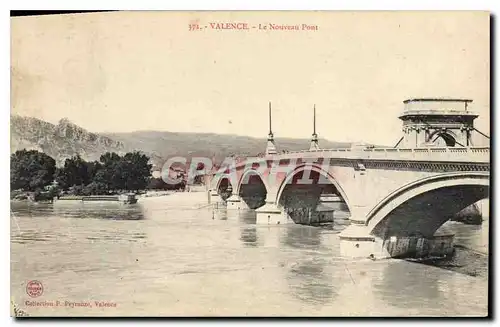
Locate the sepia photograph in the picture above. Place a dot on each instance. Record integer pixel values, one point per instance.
(250, 164)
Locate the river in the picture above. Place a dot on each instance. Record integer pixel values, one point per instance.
(173, 256)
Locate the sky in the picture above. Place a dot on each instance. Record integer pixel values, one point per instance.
(127, 71)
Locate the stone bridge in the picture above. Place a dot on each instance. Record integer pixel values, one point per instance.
(389, 192)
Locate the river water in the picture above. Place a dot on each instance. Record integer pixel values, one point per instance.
(173, 256)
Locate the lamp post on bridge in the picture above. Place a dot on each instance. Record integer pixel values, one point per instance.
(314, 139)
(271, 147)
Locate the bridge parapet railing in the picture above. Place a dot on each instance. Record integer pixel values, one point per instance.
(477, 150)
(441, 154)
(472, 154)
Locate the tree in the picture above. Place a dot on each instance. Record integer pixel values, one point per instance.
(108, 174)
(157, 184)
(95, 188)
(76, 190)
(60, 178)
(135, 171)
(130, 172)
(109, 158)
(74, 172)
(101, 179)
(92, 168)
(31, 170)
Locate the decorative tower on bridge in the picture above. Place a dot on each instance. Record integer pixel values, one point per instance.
(271, 147)
(436, 122)
(314, 139)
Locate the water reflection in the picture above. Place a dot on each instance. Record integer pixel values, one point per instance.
(310, 282)
(70, 233)
(309, 278)
(117, 237)
(100, 211)
(420, 288)
(248, 230)
(112, 211)
(33, 236)
(249, 236)
(247, 216)
(302, 237)
(219, 213)
(27, 209)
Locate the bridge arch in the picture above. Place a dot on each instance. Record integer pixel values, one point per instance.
(317, 169)
(252, 188)
(245, 178)
(224, 187)
(218, 179)
(304, 203)
(421, 207)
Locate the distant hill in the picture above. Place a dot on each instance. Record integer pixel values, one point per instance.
(59, 141)
(66, 139)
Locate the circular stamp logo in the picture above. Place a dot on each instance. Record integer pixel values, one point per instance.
(34, 288)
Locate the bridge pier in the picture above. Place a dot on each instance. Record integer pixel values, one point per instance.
(235, 202)
(214, 197)
(271, 214)
(357, 242)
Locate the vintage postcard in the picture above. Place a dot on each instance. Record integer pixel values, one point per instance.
(230, 164)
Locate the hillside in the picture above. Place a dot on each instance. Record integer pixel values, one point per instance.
(59, 141)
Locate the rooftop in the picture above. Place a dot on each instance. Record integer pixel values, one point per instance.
(437, 100)
(437, 107)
